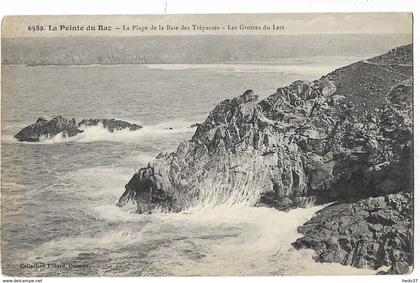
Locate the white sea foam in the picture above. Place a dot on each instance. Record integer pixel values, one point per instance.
(240, 241)
(8, 139)
(221, 241)
(101, 184)
(101, 187)
(67, 248)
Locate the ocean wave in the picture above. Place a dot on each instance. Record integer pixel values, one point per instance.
(102, 186)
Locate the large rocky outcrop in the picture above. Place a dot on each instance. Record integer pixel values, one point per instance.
(347, 134)
(44, 129)
(345, 137)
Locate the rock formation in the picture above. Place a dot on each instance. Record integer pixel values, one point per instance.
(109, 124)
(44, 129)
(343, 138)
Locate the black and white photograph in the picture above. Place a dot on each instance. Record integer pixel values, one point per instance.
(207, 145)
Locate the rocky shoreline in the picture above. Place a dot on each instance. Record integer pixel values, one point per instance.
(59, 125)
(345, 138)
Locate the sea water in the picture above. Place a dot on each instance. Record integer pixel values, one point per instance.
(59, 216)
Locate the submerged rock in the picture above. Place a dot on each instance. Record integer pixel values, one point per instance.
(109, 124)
(43, 128)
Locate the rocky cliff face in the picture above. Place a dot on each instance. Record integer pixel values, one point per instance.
(345, 137)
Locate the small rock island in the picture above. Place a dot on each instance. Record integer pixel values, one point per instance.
(44, 128)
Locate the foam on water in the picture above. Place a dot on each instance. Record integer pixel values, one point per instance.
(8, 139)
(240, 241)
(67, 248)
(100, 187)
(221, 241)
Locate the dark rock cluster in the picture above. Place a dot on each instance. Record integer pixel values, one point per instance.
(372, 232)
(44, 128)
(109, 124)
(346, 137)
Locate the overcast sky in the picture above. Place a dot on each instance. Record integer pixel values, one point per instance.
(293, 24)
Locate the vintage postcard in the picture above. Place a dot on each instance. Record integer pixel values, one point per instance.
(196, 145)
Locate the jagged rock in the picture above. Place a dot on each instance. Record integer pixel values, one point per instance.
(371, 233)
(43, 128)
(109, 124)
